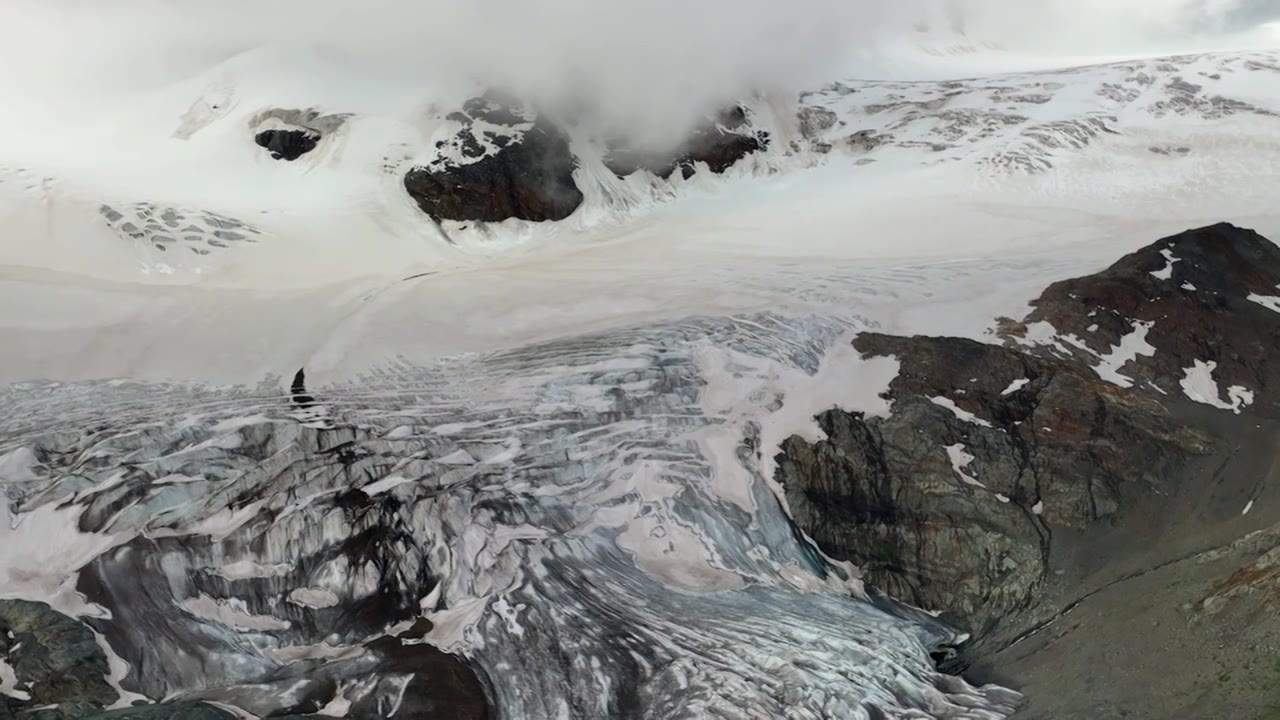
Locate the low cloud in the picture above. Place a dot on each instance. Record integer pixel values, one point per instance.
(651, 61)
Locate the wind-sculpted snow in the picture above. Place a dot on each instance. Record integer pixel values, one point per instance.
(573, 518)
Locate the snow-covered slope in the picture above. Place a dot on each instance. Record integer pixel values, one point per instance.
(564, 429)
(1001, 161)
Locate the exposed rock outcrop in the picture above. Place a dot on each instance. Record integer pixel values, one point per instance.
(290, 134)
(287, 144)
(949, 502)
(719, 143)
(59, 672)
(1201, 308)
(54, 658)
(502, 162)
(815, 120)
(954, 500)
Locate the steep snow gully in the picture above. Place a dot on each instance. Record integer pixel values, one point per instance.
(587, 430)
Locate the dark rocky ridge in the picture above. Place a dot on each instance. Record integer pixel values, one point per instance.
(518, 165)
(882, 492)
(1109, 489)
(287, 144)
(290, 134)
(507, 162)
(61, 669)
(1201, 311)
(58, 656)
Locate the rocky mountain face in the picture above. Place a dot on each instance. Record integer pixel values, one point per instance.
(501, 163)
(949, 502)
(1123, 427)
(287, 144)
(290, 134)
(1194, 314)
(505, 162)
(57, 670)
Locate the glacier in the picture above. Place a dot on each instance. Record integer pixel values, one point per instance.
(544, 450)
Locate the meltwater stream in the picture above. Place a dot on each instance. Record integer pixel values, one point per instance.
(575, 519)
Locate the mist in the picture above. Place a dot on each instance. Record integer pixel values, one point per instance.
(652, 62)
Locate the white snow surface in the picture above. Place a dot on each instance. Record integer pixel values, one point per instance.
(967, 197)
(1131, 346)
(1270, 302)
(1199, 385)
(960, 460)
(1015, 386)
(9, 682)
(959, 412)
(1166, 272)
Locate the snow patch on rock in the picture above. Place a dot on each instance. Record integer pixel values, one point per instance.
(784, 401)
(1166, 272)
(1015, 386)
(1270, 302)
(959, 412)
(960, 460)
(1199, 385)
(1131, 346)
(9, 683)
